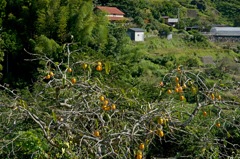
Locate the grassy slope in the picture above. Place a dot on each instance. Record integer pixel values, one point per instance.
(157, 47)
(177, 47)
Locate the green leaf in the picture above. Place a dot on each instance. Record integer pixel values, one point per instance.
(228, 135)
(107, 67)
(54, 116)
(23, 103)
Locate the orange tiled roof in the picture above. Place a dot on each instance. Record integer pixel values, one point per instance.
(110, 10)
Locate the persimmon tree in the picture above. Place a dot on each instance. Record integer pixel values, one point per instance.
(208, 120)
(72, 112)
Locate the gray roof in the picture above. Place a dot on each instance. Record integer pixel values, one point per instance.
(225, 31)
(136, 29)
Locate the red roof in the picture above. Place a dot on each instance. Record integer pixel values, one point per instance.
(110, 10)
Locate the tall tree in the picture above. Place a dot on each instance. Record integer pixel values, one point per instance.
(18, 28)
(30, 24)
(2, 7)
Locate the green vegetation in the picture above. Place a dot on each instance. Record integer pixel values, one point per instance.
(73, 84)
(148, 13)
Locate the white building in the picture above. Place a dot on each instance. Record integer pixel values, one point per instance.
(231, 34)
(136, 34)
(225, 31)
(170, 21)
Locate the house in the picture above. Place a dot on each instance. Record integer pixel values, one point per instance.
(170, 21)
(225, 33)
(136, 34)
(113, 13)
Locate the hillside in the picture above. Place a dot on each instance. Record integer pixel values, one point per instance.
(145, 14)
(74, 85)
(203, 13)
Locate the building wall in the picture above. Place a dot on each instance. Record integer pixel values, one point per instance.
(172, 20)
(114, 15)
(131, 34)
(139, 36)
(225, 31)
(224, 39)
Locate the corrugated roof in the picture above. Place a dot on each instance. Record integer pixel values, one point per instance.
(225, 31)
(110, 10)
(172, 20)
(136, 29)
